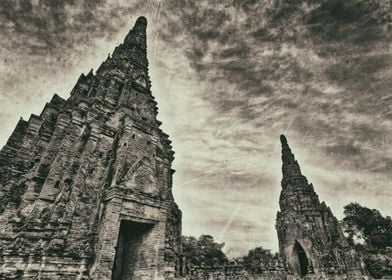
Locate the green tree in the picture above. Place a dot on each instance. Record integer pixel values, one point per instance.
(257, 260)
(203, 250)
(369, 225)
(375, 231)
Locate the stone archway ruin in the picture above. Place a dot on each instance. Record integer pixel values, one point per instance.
(302, 259)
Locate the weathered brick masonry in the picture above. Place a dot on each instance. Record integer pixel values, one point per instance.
(86, 186)
(310, 238)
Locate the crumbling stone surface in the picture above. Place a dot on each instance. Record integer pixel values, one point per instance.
(274, 270)
(71, 176)
(310, 238)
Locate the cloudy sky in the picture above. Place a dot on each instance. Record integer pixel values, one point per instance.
(230, 76)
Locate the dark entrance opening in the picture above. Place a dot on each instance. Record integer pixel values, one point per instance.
(302, 259)
(130, 251)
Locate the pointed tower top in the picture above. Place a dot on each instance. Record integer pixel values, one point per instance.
(289, 165)
(283, 139)
(132, 53)
(287, 155)
(137, 35)
(141, 21)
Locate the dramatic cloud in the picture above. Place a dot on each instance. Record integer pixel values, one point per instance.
(229, 77)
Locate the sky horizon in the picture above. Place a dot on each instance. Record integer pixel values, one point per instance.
(229, 78)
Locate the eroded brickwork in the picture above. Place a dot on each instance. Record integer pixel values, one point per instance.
(310, 238)
(70, 177)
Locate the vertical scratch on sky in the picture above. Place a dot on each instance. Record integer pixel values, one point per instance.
(228, 223)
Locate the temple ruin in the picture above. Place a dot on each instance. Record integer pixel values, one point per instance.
(86, 191)
(311, 240)
(86, 186)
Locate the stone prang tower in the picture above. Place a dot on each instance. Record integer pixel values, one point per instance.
(310, 238)
(86, 186)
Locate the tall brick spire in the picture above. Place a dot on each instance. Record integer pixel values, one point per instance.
(310, 238)
(292, 179)
(86, 186)
(290, 166)
(137, 36)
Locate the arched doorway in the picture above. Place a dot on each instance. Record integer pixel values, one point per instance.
(131, 256)
(303, 262)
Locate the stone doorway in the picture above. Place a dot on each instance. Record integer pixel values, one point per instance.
(131, 260)
(302, 259)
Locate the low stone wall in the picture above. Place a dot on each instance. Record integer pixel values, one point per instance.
(234, 273)
(217, 276)
(242, 274)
